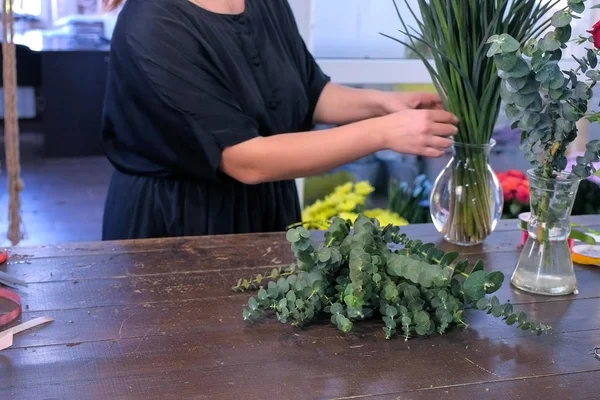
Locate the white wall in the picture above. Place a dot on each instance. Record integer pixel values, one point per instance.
(351, 28)
(346, 29)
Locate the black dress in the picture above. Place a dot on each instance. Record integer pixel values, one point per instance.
(183, 84)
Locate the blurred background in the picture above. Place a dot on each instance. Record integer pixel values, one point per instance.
(62, 55)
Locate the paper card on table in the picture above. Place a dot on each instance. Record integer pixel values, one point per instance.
(10, 280)
(6, 337)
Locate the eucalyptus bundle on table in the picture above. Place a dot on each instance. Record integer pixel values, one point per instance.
(356, 274)
(466, 201)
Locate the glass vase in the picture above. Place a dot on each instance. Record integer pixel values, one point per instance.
(545, 265)
(466, 200)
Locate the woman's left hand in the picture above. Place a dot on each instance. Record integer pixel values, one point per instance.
(396, 101)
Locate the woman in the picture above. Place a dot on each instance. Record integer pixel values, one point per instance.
(208, 114)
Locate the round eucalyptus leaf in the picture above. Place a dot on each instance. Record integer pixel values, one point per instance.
(523, 100)
(530, 48)
(336, 308)
(513, 112)
(577, 6)
(506, 61)
(549, 42)
(482, 304)
(592, 58)
(508, 44)
(561, 19)
(531, 86)
(252, 304)
(262, 294)
(520, 69)
(493, 281)
(473, 286)
(292, 236)
(563, 34)
(593, 75)
(557, 82)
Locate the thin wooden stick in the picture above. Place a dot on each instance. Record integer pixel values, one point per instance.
(11, 123)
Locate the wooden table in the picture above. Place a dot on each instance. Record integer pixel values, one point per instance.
(155, 319)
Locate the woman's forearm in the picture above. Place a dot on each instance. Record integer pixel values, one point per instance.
(296, 155)
(340, 105)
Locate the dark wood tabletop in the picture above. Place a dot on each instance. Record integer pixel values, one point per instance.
(156, 319)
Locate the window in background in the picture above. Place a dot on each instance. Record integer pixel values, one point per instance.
(351, 29)
(29, 7)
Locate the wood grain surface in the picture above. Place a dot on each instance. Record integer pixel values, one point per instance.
(156, 319)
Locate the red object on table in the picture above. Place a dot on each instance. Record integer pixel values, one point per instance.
(9, 317)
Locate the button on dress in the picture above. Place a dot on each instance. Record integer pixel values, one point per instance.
(184, 83)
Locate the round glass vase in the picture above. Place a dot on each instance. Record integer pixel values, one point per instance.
(466, 200)
(545, 265)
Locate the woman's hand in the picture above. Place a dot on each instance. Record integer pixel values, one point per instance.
(392, 102)
(341, 105)
(422, 132)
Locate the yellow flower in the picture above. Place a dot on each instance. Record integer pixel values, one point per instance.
(348, 215)
(343, 189)
(363, 188)
(343, 203)
(333, 200)
(347, 206)
(386, 217)
(353, 197)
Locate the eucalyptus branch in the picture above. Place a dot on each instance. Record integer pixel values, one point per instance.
(359, 273)
(543, 101)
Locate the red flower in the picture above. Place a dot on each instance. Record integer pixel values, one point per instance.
(596, 34)
(511, 183)
(515, 186)
(523, 194)
(508, 195)
(516, 173)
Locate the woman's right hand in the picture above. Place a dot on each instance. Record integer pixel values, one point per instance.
(422, 132)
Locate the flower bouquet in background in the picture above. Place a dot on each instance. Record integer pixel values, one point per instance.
(545, 103)
(346, 201)
(318, 186)
(466, 200)
(515, 189)
(411, 201)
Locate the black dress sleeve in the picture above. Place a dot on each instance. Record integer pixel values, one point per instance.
(190, 108)
(316, 78)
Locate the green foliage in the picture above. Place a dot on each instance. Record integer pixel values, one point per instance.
(416, 289)
(543, 101)
(454, 34)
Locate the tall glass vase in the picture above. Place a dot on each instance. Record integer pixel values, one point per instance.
(545, 265)
(466, 200)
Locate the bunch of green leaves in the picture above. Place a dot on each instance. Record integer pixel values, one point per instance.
(543, 101)
(455, 32)
(365, 270)
(411, 201)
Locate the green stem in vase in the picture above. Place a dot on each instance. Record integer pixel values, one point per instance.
(471, 201)
(542, 234)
